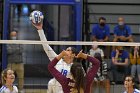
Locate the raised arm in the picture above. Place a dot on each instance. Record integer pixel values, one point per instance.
(92, 72)
(48, 50)
(58, 76)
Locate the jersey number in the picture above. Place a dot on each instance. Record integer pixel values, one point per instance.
(64, 72)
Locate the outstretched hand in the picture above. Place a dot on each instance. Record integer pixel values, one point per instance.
(64, 53)
(38, 26)
(81, 55)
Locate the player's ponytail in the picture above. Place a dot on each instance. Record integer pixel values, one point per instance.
(78, 75)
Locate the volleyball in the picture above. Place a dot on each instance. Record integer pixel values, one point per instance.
(36, 17)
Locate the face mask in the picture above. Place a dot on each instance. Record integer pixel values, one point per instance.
(13, 38)
(102, 24)
(121, 23)
(120, 51)
(95, 46)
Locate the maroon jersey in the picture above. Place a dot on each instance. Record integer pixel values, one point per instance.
(67, 82)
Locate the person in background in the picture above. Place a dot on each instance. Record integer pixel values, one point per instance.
(96, 49)
(101, 31)
(129, 85)
(119, 62)
(8, 77)
(101, 79)
(122, 32)
(135, 62)
(78, 81)
(15, 61)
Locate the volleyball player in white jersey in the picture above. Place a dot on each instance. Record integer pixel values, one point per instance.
(63, 65)
(8, 78)
(129, 85)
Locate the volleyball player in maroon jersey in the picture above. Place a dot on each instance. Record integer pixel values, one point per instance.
(78, 82)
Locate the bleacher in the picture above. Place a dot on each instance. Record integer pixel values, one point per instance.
(111, 10)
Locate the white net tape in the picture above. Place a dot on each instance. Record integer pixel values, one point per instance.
(69, 43)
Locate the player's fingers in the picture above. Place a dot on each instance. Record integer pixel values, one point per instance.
(80, 52)
(65, 53)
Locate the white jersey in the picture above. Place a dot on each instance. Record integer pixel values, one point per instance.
(4, 89)
(63, 67)
(135, 91)
(98, 50)
(54, 86)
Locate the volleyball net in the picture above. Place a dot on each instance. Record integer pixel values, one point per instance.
(30, 42)
(36, 55)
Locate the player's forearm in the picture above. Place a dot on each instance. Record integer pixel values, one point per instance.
(48, 50)
(59, 56)
(92, 72)
(93, 60)
(42, 35)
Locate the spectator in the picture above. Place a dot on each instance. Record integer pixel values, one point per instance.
(135, 62)
(101, 31)
(119, 61)
(122, 32)
(8, 78)
(15, 61)
(101, 77)
(129, 85)
(95, 49)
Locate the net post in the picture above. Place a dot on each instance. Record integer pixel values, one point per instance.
(5, 33)
(78, 9)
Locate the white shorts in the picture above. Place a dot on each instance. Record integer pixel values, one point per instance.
(54, 86)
